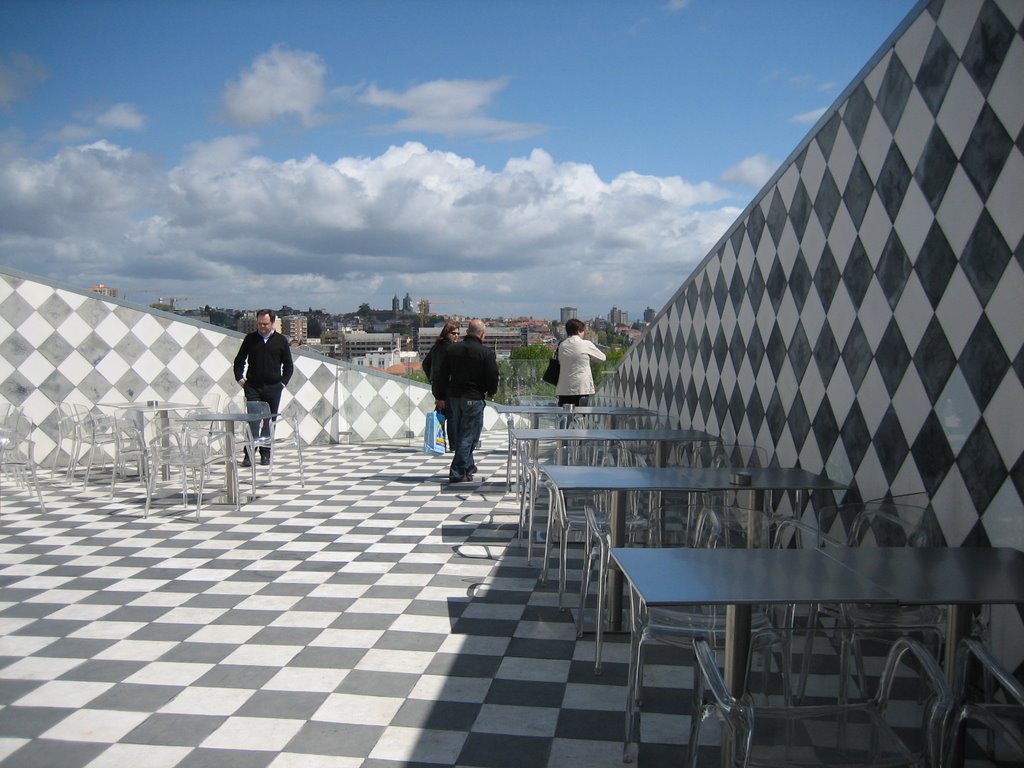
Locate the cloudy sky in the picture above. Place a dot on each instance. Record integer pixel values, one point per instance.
(498, 157)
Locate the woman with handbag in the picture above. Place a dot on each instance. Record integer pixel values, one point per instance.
(448, 336)
(432, 363)
(575, 380)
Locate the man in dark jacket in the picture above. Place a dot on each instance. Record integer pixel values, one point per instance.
(263, 367)
(467, 375)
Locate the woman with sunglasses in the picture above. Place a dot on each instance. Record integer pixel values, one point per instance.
(448, 336)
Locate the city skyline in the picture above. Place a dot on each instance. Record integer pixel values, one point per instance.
(513, 157)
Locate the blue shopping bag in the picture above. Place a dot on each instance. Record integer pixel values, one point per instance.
(434, 438)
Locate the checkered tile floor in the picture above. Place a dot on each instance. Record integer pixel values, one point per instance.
(369, 619)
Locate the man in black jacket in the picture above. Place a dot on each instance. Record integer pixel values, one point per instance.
(263, 367)
(467, 375)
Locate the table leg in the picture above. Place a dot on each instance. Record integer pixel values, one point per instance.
(958, 626)
(661, 453)
(754, 520)
(532, 481)
(737, 652)
(230, 470)
(163, 421)
(631, 743)
(617, 521)
(508, 458)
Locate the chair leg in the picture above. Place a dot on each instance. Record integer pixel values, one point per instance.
(563, 557)
(552, 508)
(588, 566)
(600, 618)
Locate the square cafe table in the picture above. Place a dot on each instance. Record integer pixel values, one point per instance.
(959, 577)
(622, 480)
(228, 422)
(608, 413)
(661, 438)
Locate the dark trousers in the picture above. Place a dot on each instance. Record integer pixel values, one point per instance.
(269, 394)
(465, 422)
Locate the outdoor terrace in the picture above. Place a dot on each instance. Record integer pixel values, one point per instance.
(369, 619)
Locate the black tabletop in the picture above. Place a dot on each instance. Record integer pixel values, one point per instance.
(940, 575)
(685, 576)
(578, 478)
(677, 435)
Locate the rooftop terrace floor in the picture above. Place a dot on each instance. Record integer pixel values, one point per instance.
(368, 619)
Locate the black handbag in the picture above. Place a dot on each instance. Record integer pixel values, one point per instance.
(553, 369)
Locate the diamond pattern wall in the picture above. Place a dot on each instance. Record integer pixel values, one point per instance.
(865, 315)
(61, 344)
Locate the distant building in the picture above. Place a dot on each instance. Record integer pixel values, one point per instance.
(348, 344)
(295, 327)
(566, 313)
(380, 359)
(247, 323)
(395, 306)
(104, 290)
(407, 305)
(425, 337)
(649, 314)
(618, 317)
(499, 338)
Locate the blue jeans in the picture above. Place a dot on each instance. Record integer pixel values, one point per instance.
(465, 422)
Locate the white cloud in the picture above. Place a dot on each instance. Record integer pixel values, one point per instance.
(528, 238)
(17, 74)
(450, 108)
(279, 83)
(125, 117)
(808, 117)
(751, 171)
(92, 123)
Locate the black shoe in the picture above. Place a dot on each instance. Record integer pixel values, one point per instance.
(245, 462)
(264, 461)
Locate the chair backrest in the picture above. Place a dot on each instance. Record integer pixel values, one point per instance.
(262, 409)
(881, 524)
(212, 402)
(258, 407)
(129, 438)
(720, 527)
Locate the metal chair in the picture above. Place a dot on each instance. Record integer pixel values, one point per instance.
(129, 449)
(258, 435)
(596, 556)
(17, 453)
(682, 626)
(99, 437)
(999, 709)
(884, 524)
(193, 455)
(856, 734)
(290, 439)
(73, 421)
